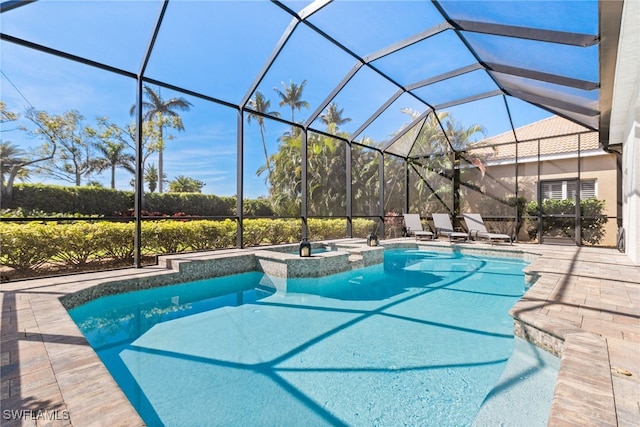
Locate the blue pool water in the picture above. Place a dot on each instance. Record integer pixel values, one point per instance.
(418, 340)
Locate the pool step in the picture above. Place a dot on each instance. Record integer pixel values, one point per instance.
(356, 261)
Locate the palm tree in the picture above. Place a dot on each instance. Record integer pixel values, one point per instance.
(286, 180)
(436, 169)
(161, 110)
(334, 116)
(151, 177)
(113, 155)
(13, 162)
(292, 96)
(261, 105)
(185, 184)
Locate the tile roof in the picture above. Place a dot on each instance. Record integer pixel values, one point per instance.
(554, 135)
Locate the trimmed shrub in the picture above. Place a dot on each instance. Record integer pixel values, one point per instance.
(57, 199)
(116, 239)
(324, 229)
(592, 222)
(163, 237)
(78, 244)
(257, 207)
(204, 235)
(279, 231)
(190, 204)
(361, 227)
(72, 200)
(270, 231)
(27, 246)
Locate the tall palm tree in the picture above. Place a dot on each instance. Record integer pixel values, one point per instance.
(151, 177)
(334, 116)
(292, 96)
(113, 155)
(160, 110)
(286, 181)
(261, 105)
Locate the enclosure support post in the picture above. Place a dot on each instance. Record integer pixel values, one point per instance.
(139, 189)
(406, 186)
(303, 182)
(240, 181)
(539, 199)
(348, 190)
(456, 186)
(381, 195)
(578, 197)
(139, 180)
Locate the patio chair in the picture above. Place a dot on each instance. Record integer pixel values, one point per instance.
(476, 227)
(414, 226)
(442, 222)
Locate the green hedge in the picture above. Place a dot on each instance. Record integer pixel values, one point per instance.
(28, 246)
(56, 199)
(190, 204)
(61, 199)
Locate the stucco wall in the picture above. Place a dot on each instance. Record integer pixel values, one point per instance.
(625, 124)
(499, 182)
(631, 191)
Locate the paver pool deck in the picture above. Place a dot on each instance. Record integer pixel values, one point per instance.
(584, 306)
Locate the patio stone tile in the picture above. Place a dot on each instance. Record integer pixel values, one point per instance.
(631, 335)
(5, 389)
(32, 382)
(627, 395)
(601, 327)
(626, 319)
(5, 358)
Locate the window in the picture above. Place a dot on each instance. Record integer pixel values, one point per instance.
(560, 190)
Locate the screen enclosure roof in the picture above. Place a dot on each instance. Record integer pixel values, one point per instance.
(387, 66)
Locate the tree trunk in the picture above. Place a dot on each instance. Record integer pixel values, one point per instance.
(160, 150)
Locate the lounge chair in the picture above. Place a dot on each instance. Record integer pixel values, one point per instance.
(442, 222)
(414, 226)
(476, 227)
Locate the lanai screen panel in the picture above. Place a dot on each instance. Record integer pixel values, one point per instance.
(365, 181)
(272, 166)
(220, 50)
(425, 59)
(360, 97)
(394, 185)
(431, 185)
(366, 27)
(93, 30)
(326, 176)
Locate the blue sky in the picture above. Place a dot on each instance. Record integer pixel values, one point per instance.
(224, 45)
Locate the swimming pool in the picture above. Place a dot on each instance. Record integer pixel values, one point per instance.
(420, 339)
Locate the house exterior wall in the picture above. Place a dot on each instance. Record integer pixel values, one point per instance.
(631, 189)
(625, 125)
(499, 183)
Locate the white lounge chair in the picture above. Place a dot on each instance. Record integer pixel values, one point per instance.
(476, 227)
(443, 226)
(414, 226)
